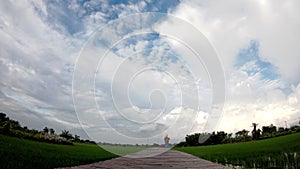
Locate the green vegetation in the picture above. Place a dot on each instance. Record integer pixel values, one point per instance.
(278, 152)
(123, 150)
(220, 137)
(20, 153)
(13, 128)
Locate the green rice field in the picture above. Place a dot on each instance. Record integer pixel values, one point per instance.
(26, 154)
(279, 152)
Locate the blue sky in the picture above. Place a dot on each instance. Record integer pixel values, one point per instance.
(52, 75)
(251, 55)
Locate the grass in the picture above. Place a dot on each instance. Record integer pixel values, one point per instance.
(122, 150)
(20, 153)
(279, 152)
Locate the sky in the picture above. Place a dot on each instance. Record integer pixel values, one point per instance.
(133, 71)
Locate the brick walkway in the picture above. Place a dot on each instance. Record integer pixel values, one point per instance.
(168, 159)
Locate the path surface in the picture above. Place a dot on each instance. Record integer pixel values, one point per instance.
(168, 159)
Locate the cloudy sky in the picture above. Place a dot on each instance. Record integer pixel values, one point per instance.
(133, 71)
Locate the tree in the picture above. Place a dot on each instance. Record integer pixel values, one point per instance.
(33, 131)
(255, 133)
(268, 131)
(294, 128)
(192, 140)
(46, 130)
(76, 138)
(281, 129)
(15, 125)
(51, 130)
(242, 135)
(66, 134)
(217, 138)
(228, 138)
(3, 117)
(6, 127)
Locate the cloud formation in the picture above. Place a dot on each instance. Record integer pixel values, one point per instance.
(256, 42)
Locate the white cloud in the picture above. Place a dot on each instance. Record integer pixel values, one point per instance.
(39, 50)
(33, 61)
(240, 116)
(230, 26)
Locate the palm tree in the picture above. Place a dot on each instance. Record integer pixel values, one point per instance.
(51, 131)
(255, 133)
(66, 134)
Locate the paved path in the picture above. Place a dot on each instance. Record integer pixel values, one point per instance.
(168, 159)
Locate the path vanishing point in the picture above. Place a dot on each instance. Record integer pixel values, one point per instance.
(165, 160)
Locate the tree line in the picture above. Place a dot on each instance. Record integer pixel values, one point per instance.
(13, 128)
(221, 137)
